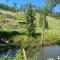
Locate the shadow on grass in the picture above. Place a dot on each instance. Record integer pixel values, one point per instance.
(7, 35)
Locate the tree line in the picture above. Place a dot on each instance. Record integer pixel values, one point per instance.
(6, 7)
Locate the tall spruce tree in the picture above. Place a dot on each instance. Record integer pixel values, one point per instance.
(30, 20)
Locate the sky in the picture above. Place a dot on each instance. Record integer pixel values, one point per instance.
(57, 8)
(34, 2)
(19, 2)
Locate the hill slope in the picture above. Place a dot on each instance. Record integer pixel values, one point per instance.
(9, 24)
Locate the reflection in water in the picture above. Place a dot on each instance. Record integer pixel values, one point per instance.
(40, 54)
(9, 55)
(47, 53)
(58, 57)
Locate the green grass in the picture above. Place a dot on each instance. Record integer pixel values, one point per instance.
(53, 32)
(54, 28)
(51, 35)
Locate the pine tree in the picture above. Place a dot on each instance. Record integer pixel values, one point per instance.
(30, 20)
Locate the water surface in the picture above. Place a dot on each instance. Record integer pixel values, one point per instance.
(40, 53)
(47, 53)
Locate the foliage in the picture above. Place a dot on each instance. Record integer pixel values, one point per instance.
(7, 35)
(55, 15)
(30, 20)
(19, 55)
(20, 16)
(50, 4)
(25, 41)
(6, 7)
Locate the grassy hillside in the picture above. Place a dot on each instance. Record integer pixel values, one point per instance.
(13, 23)
(8, 23)
(54, 28)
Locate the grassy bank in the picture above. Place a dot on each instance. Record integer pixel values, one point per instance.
(51, 35)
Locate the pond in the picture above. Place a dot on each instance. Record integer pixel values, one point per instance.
(40, 53)
(48, 53)
(9, 54)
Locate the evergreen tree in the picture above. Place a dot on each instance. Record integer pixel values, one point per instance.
(30, 20)
(15, 5)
